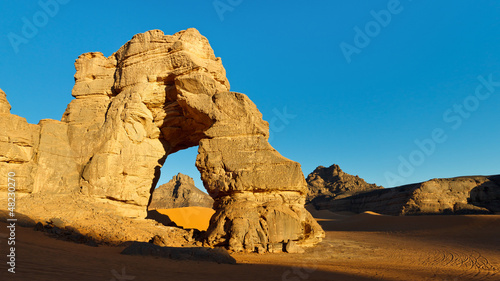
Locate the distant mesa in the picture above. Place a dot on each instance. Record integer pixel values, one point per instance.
(179, 192)
(327, 184)
(331, 189)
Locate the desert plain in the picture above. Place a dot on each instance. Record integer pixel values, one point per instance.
(365, 246)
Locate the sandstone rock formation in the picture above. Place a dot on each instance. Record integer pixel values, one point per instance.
(18, 150)
(327, 184)
(179, 192)
(92, 220)
(461, 195)
(4, 104)
(156, 95)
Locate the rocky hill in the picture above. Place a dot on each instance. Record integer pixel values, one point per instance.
(327, 184)
(179, 192)
(461, 195)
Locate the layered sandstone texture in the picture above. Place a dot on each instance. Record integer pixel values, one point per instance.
(156, 95)
(331, 183)
(461, 195)
(179, 192)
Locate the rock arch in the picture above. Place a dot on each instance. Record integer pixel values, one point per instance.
(156, 95)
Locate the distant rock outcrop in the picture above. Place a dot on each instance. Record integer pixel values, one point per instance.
(156, 95)
(327, 184)
(461, 195)
(179, 192)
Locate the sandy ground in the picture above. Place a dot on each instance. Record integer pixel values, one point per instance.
(189, 217)
(357, 247)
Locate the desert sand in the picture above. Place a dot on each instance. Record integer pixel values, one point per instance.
(189, 217)
(365, 246)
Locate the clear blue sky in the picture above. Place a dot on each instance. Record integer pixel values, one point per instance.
(357, 100)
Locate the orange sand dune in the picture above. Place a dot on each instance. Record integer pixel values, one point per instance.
(189, 217)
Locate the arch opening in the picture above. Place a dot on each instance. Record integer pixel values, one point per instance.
(182, 161)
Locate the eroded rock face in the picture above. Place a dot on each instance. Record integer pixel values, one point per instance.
(4, 104)
(156, 95)
(179, 192)
(326, 184)
(462, 195)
